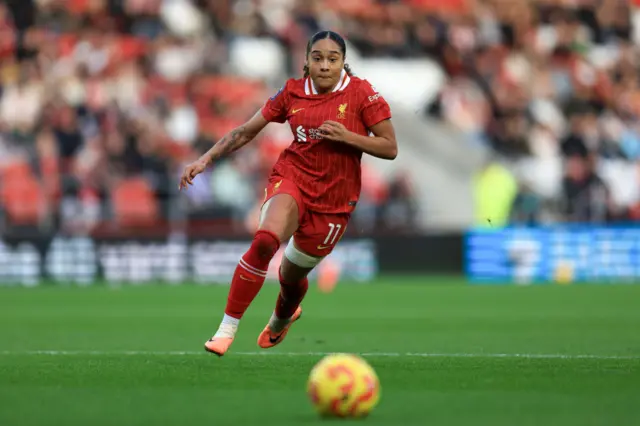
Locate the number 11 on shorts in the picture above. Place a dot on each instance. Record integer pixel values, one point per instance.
(334, 231)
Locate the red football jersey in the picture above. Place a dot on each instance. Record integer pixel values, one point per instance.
(326, 172)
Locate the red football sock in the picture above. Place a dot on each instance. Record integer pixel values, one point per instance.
(251, 273)
(290, 297)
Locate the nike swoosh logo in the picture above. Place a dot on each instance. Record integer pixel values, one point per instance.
(323, 247)
(275, 340)
(247, 279)
(296, 110)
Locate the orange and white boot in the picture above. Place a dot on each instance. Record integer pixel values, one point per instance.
(219, 344)
(275, 333)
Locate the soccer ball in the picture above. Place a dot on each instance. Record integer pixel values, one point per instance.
(343, 385)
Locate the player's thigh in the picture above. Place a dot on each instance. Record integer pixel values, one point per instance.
(279, 215)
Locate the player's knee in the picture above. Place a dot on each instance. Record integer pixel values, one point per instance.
(265, 244)
(299, 258)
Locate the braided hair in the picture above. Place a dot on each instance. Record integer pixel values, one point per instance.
(332, 36)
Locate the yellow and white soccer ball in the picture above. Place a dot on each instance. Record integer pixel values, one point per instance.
(343, 385)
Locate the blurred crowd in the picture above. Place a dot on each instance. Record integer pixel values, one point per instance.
(102, 102)
(553, 87)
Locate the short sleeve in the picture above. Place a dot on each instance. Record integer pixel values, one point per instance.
(275, 109)
(373, 107)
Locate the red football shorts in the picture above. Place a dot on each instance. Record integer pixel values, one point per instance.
(317, 233)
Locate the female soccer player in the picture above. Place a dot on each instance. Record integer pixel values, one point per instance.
(313, 187)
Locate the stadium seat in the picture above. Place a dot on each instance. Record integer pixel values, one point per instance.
(21, 194)
(130, 48)
(447, 6)
(15, 169)
(218, 126)
(230, 90)
(134, 203)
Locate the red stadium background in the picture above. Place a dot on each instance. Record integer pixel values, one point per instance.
(103, 102)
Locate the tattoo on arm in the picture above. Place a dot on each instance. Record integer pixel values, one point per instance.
(229, 143)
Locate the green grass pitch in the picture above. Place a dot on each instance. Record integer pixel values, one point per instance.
(446, 353)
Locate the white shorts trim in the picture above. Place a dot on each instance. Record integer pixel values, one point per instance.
(299, 258)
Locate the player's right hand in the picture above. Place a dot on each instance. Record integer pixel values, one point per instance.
(191, 171)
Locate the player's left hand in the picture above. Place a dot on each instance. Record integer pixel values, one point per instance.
(334, 131)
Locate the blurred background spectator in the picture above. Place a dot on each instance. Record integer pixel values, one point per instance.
(102, 102)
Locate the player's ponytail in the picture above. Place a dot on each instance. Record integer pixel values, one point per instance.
(332, 35)
(347, 68)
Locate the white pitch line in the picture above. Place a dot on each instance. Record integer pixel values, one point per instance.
(313, 354)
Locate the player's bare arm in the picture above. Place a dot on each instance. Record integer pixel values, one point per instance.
(229, 143)
(382, 145)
